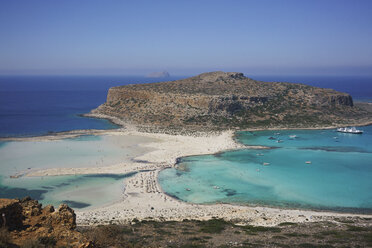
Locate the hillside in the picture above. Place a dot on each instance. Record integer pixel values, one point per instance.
(27, 224)
(222, 100)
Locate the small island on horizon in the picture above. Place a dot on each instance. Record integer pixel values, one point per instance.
(161, 74)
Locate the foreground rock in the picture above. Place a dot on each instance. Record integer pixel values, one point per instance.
(222, 100)
(31, 225)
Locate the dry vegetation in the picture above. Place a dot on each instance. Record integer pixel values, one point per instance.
(30, 226)
(218, 233)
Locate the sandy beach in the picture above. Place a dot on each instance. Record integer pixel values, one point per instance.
(143, 198)
(164, 151)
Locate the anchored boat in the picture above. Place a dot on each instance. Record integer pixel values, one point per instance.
(352, 130)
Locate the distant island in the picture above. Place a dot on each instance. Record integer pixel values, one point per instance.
(162, 74)
(224, 100)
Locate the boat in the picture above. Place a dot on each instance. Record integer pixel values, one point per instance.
(352, 130)
(266, 163)
(308, 162)
(292, 136)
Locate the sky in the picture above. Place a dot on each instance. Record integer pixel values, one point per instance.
(112, 37)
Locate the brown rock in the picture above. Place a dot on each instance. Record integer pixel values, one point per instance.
(29, 222)
(48, 209)
(10, 212)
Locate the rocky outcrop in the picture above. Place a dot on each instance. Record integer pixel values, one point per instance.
(229, 105)
(220, 100)
(29, 223)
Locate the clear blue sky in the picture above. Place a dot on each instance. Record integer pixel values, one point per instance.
(186, 37)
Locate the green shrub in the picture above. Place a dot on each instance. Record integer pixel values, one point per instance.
(254, 229)
(287, 224)
(356, 228)
(213, 226)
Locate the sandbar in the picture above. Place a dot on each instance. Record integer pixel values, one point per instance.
(143, 198)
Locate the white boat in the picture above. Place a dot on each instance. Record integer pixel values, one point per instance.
(352, 130)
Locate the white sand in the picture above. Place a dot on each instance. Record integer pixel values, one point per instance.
(144, 199)
(164, 152)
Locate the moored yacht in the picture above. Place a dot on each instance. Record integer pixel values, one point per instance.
(349, 130)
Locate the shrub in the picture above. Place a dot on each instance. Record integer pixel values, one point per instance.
(213, 226)
(357, 228)
(4, 237)
(254, 229)
(287, 224)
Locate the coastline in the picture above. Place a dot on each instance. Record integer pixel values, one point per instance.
(360, 124)
(125, 127)
(143, 197)
(62, 135)
(76, 133)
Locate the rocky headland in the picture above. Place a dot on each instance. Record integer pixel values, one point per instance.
(24, 223)
(229, 100)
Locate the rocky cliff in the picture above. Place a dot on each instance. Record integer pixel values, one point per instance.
(220, 100)
(25, 223)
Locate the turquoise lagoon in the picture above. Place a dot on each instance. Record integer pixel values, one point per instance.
(338, 178)
(79, 191)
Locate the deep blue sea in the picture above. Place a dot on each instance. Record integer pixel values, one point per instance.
(36, 105)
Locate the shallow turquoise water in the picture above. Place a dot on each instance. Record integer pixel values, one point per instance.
(338, 178)
(80, 191)
(84, 151)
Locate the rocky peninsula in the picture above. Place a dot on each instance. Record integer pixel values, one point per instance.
(229, 100)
